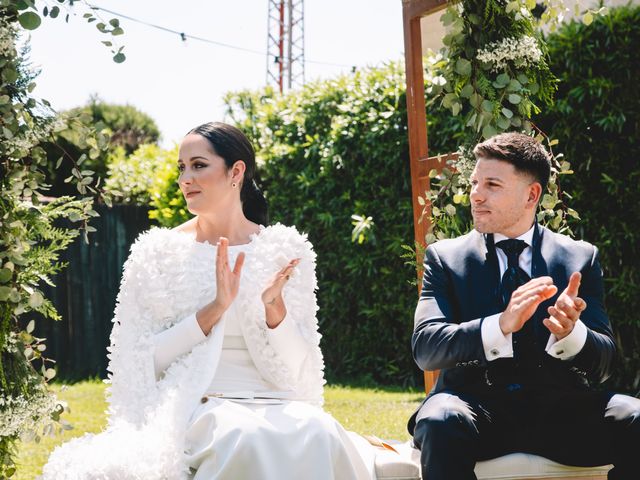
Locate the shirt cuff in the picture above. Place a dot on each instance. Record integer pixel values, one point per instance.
(495, 343)
(176, 341)
(569, 346)
(288, 342)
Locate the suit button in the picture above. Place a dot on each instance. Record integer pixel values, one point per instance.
(494, 352)
(539, 365)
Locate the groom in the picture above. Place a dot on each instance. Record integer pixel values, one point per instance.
(513, 316)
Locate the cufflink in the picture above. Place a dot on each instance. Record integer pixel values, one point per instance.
(495, 352)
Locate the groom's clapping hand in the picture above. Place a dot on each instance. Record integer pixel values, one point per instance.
(566, 312)
(524, 302)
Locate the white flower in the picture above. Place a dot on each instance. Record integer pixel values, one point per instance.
(465, 164)
(522, 52)
(19, 414)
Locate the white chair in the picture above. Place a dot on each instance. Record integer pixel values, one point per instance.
(405, 465)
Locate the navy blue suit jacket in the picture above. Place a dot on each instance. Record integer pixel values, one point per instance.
(461, 287)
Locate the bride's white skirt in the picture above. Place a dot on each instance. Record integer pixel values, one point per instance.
(230, 440)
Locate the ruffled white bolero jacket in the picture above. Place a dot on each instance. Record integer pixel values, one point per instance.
(167, 277)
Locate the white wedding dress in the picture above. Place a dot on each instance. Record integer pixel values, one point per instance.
(161, 365)
(247, 428)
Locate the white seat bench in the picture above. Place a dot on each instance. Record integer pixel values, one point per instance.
(405, 465)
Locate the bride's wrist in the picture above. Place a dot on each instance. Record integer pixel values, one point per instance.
(273, 302)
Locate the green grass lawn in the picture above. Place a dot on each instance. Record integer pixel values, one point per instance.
(379, 411)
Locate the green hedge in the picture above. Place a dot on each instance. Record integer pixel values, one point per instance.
(596, 118)
(334, 149)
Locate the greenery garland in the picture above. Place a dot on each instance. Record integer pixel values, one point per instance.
(31, 235)
(493, 71)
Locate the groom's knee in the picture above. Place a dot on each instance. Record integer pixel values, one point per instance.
(443, 421)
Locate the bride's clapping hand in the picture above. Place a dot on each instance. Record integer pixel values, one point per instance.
(227, 280)
(272, 294)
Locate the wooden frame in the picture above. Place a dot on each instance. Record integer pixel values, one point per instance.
(421, 163)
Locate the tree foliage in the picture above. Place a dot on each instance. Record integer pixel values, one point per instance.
(124, 126)
(31, 235)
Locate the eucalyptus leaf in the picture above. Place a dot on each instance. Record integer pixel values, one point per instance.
(503, 80)
(487, 106)
(463, 67)
(475, 100)
(29, 20)
(36, 300)
(514, 86)
(5, 292)
(548, 201)
(5, 275)
(503, 122)
(467, 91)
(489, 131)
(514, 98)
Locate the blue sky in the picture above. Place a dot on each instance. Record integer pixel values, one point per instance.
(181, 84)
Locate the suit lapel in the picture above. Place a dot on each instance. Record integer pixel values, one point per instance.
(538, 263)
(483, 277)
(542, 254)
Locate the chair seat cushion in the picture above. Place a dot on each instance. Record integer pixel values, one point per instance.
(405, 465)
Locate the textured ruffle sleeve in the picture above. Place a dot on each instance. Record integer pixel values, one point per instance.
(291, 359)
(131, 372)
(175, 342)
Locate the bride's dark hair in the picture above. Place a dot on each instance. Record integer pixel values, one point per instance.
(232, 145)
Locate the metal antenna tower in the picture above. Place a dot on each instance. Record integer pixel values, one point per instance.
(285, 44)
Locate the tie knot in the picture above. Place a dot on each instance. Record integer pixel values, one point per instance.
(512, 248)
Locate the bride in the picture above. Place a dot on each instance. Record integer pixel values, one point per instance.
(215, 366)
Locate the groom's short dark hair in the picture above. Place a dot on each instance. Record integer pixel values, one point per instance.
(525, 153)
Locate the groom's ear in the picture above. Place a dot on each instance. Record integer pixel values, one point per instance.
(535, 192)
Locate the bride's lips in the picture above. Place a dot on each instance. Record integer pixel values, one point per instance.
(191, 194)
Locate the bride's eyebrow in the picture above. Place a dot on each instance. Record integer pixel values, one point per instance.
(192, 159)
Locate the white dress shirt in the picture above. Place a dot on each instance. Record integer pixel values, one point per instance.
(498, 345)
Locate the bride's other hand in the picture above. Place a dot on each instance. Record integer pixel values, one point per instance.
(227, 285)
(272, 295)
